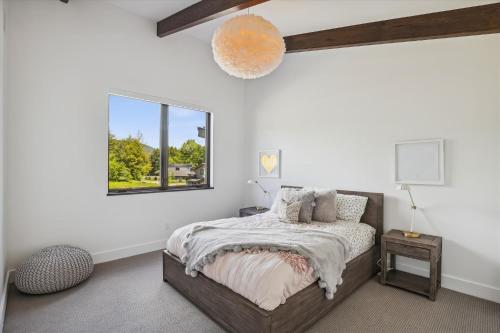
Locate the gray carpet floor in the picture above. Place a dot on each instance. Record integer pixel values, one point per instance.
(129, 295)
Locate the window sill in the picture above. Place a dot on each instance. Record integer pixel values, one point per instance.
(158, 190)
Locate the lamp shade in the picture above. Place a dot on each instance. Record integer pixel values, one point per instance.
(248, 46)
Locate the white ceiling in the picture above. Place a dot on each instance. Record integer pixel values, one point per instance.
(299, 16)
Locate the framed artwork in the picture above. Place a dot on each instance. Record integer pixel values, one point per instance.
(420, 162)
(269, 163)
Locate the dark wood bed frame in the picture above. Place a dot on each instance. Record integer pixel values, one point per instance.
(300, 311)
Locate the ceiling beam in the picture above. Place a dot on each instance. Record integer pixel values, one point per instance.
(201, 12)
(453, 23)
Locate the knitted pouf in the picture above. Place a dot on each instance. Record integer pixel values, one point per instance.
(53, 269)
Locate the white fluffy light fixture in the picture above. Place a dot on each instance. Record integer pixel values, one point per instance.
(248, 46)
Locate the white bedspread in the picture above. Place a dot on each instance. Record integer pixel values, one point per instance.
(265, 278)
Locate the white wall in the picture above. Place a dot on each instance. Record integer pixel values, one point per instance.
(2, 234)
(62, 60)
(336, 115)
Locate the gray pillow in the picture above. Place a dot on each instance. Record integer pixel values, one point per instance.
(326, 206)
(307, 198)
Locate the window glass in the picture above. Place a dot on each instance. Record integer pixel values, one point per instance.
(187, 147)
(133, 143)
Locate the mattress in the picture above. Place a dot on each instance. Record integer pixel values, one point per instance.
(267, 278)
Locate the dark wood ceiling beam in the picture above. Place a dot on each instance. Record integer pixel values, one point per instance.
(201, 12)
(453, 23)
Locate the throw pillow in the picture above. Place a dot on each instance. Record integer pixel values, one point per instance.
(325, 209)
(289, 211)
(307, 199)
(350, 207)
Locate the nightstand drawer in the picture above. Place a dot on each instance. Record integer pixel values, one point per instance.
(408, 251)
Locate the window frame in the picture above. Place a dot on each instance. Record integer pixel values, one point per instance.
(164, 147)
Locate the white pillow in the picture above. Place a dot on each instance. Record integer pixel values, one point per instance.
(275, 207)
(350, 207)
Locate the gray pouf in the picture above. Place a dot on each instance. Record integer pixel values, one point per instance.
(53, 269)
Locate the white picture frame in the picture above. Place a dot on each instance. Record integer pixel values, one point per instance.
(269, 163)
(419, 162)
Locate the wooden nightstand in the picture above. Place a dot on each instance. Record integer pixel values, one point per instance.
(252, 211)
(426, 247)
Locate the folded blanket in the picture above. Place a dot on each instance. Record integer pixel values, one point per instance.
(326, 252)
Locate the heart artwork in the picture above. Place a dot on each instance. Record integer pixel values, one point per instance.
(268, 162)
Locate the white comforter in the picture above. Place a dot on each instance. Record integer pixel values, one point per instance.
(265, 278)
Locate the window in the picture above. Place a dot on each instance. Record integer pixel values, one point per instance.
(156, 147)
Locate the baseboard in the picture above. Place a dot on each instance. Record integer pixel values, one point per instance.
(98, 257)
(129, 251)
(5, 292)
(468, 287)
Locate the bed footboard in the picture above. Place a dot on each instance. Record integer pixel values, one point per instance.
(230, 310)
(235, 313)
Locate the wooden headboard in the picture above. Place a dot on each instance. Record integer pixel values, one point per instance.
(374, 212)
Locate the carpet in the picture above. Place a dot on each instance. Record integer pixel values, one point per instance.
(129, 295)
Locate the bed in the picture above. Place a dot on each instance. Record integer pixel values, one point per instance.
(236, 313)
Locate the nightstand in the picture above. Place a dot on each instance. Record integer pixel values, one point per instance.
(426, 248)
(252, 211)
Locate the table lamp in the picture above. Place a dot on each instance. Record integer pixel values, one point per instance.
(411, 233)
(251, 181)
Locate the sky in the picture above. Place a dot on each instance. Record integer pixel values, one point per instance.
(129, 116)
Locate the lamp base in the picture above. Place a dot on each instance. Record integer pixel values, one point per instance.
(411, 234)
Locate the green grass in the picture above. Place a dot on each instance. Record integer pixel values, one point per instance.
(176, 182)
(132, 184)
(143, 184)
